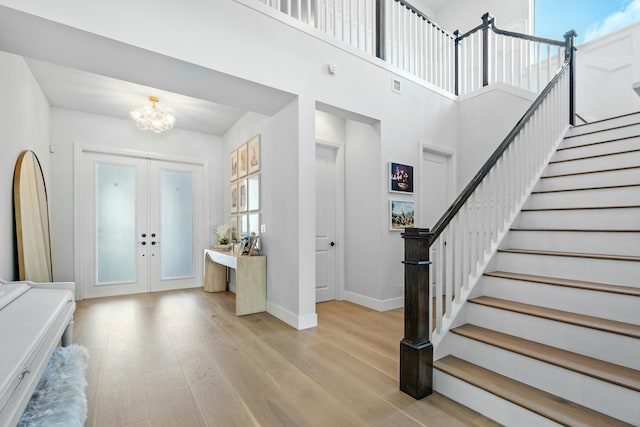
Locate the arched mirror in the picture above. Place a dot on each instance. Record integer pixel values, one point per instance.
(32, 220)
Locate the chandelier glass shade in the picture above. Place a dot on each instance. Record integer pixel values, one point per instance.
(150, 117)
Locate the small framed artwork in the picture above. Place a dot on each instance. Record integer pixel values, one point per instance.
(254, 154)
(242, 160)
(233, 198)
(254, 223)
(400, 178)
(242, 195)
(233, 231)
(243, 225)
(254, 192)
(233, 165)
(401, 215)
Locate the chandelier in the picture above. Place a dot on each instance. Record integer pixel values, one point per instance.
(149, 117)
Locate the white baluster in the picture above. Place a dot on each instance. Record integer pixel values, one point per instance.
(449, 277)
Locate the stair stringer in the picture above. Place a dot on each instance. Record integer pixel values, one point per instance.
(456, 317)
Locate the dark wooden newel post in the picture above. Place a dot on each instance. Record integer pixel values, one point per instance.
(416, 351)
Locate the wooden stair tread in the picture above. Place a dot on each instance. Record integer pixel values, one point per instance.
(580, 208)
(582, 230)
(600, 130)
(577, 319)
(606, 141)
(572, 254)
(580, 284)
(540, 402)
(606, 119)
(606, 187)
(590, 172)
(595, 156)
(605, 371)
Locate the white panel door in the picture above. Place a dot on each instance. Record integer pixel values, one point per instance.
(435, 188)
(435, 196)
(141, 224)
(326, 224)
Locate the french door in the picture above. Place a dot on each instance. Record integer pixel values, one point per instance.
(141, 222)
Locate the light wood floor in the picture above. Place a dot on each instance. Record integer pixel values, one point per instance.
(183, 358)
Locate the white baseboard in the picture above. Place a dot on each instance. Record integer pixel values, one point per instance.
(292, 319)
(373, 303)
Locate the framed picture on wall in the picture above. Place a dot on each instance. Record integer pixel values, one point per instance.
(233, 198)
(233, 225)
(254, 192)
(401, 215)
(254, 154)
(242, 160)
(242, 195)
(400, 178)
(233, 165)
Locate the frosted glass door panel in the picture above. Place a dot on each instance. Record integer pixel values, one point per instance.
(116, 224)
(176, 224)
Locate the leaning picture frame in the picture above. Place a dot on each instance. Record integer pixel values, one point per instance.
(401, 215)
(400, 178)
(242, 160)
(253, 148)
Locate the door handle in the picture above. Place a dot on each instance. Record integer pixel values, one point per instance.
(332, 244)
(143, 243)
(153, 243)
(144, 235)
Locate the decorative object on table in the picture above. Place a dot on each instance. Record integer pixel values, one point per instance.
(253, 203)
(254, 154)
(233, 198)
(59, 398)
(254, 245)
(233, 165)
(242, 195)
(400, 178)
(401, 215)
(223, 231)
(242, 160)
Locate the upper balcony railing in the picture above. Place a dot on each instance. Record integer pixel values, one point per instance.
(401, 35)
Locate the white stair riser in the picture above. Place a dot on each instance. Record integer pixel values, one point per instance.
(618, 349)
(594, 163)
(602, 219)
(604, 124)
(613, 272)
(582, 242)
(567, 199)
(490, 405)
(601, 179)
(606, 135)
(604, 397)
(606, 305)
(596, 149)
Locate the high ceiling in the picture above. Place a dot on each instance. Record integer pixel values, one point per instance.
(83, 91)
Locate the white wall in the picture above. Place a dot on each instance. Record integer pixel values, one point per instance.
(70, 127)
(24, 125)
(482, 129)
(606, 69)
(463, 15)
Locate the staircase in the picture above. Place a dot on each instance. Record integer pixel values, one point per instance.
(552, 332)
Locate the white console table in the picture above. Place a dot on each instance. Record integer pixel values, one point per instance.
(251, 279)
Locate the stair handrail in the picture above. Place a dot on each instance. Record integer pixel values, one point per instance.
(500, 205)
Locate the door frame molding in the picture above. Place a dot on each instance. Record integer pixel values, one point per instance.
(79, 149)
(340, 212)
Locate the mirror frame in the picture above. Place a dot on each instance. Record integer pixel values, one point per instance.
(33, 230)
